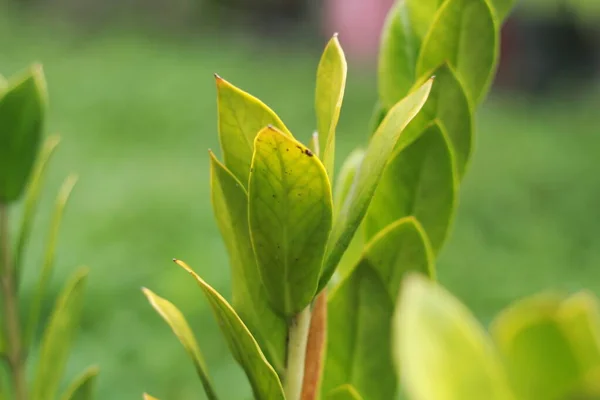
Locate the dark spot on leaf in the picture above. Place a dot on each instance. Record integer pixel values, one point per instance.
(274, 196)
(308, 152)
(288, 149)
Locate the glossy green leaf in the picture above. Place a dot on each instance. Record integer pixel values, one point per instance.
(441, 350)
(176, 321)
(246, 351)
(376, 156)
(398, 54)
(32, 197)
(344, 392)
(290, 213)
(419, 181)
(22, 109)
(464, 35)
(230, 205)
(83, 387)
(525, 333)
(241, 117)
(58, 338)
(361, 309)
(448, 104)
(420, 14)
(502, 9)
(331, 81)
(49, 257)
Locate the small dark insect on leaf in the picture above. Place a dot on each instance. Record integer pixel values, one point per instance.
(308, 152)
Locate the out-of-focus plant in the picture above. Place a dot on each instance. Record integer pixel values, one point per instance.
(23, 100)
(382, 325)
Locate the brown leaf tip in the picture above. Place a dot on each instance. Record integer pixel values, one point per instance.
(175, 260)
(217, 77)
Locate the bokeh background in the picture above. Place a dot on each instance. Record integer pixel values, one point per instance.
(133, 97)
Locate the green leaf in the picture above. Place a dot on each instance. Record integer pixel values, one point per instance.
(241, 117)
(524, 333)
(22, 109)
(376, 156)
(441, 350)
(502, 9)
(344, 392)
(58, 337)
(230, 205)
(398, 54)
(419, 181)
(463, 34)
(377, 117)
(448, 104)
(331, 81)
(84, 386)
(361, 309)
(49, 256)
(32, 198)
(176, 321)
(263, 378)
(403, 246)
(346, 178)
(421, 14)
(579, 316)
(290, 212)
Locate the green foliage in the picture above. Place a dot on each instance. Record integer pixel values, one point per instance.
(331, 81)
(83, 387)
(22, 108)
(22, 169)
(58, 338)
(290, 213)
(436, 339)
(175, 319)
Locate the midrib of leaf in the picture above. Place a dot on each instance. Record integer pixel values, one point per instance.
(237, 120)
(285, 187)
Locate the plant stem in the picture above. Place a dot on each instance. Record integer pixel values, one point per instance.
(296, 353)
(315, 348)
(14, 351)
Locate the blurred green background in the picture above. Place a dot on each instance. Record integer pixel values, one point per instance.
(135, 104)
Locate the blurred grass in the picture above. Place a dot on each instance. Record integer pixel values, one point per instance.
(137, 114)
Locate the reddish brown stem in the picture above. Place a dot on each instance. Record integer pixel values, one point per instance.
(315, 349)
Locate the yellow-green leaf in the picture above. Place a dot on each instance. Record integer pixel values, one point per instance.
(345, 179)
(420, 14)
(22, 109)
(441, 351)
(361, 309)
(344, 392)
(241, 117)
(398, 54)
(263, 378)
(58, 338)
(148, 397)
(176, 321)
(502, 9)
(538, 348)
(464, 35)
(580, 317)
(32, 197)
(290, 213)
(376, 157)
(48, 264)
(418, 181)
(448, 105)
(83, 387)
(230, 205)
(331, 81)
